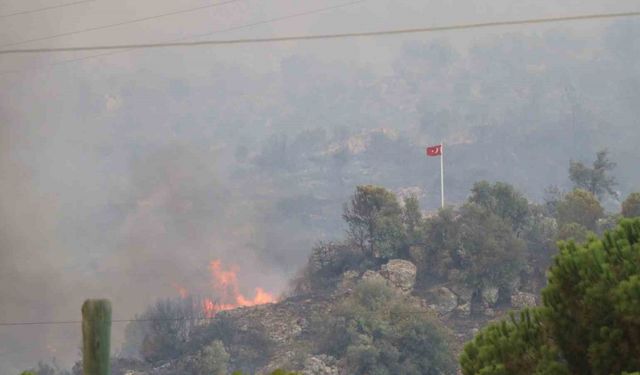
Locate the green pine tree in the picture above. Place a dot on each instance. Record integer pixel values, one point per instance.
(589, 323)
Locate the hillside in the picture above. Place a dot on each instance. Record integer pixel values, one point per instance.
(402, 292)
(288, 328)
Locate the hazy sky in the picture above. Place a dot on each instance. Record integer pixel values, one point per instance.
(78, 219)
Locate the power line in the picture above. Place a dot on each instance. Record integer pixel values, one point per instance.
(66, 322)
(239, 27)
(177, 319)
(137, 20)
(45, 8)
(325, 36)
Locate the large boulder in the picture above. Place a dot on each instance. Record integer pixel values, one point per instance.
(400, 273)
(442, 300)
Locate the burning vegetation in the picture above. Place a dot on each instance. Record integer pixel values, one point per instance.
(226, 289)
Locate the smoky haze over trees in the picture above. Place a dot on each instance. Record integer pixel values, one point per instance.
(124, 177)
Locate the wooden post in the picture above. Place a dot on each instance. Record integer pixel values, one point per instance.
(96, 336)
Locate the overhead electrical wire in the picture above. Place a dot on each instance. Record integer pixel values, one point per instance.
(123, 23)
(323, 36)
(31, 11)
(233, 28)
(176, 319)
(65, 322)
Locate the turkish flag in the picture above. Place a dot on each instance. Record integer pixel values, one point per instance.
(434, 150)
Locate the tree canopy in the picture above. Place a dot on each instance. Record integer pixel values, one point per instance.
(595, 179)
(631, 205)
(501, 199)
(588, 323)
(582, 207)
(374, 217)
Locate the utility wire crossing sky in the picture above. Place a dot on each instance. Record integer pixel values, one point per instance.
(25, 12)
(325, 36)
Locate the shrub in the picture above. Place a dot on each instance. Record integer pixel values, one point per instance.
(517, 346)
(379, 331)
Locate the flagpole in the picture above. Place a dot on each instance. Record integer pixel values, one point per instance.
(442, 174)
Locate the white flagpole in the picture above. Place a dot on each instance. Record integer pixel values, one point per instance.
(442, 174)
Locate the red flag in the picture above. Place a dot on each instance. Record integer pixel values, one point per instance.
(434, 150)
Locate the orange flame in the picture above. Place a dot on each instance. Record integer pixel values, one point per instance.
(225, 284)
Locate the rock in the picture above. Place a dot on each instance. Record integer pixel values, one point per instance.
(442, 300)
(520, 300)
(320, 365)
(490, 296)
(400, 273)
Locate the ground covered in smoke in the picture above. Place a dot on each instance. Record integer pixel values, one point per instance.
(253, 168)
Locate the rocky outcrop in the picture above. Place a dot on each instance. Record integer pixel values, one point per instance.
(400, 273)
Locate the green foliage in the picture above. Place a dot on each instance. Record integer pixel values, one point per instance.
(282, 372)
(490, 254)
(592, 302)
(582, 207)
(595, 179)
(589, 323)
(326, 264)
(503, 200)
(573, 232)
(539, 233)
(516, 346)
(442, 241)
(631, 205)
(27, 373)
(413, 221)
(474, 243)
(374, 217)
(379, 331)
